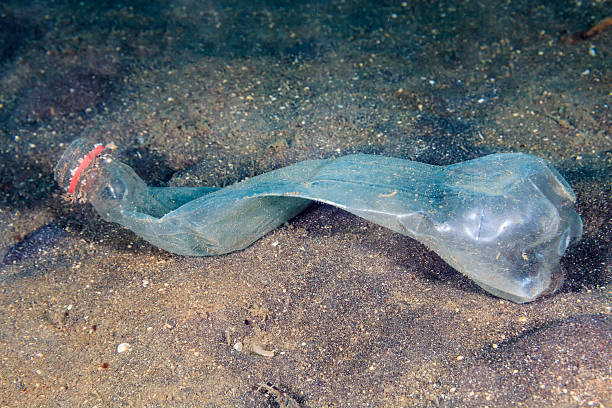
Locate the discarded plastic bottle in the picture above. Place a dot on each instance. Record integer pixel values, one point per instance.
(503, 220)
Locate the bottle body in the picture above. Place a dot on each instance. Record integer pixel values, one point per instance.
(503, 220)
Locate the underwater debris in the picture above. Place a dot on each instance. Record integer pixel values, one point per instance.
(278, 396)
(503, 220)
(592, 32)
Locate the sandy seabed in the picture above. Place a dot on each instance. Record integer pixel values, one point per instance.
(328, 310)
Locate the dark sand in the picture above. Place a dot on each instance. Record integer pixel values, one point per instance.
(209, 92)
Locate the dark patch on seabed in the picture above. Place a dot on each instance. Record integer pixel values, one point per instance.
(15, 31)
(559, 348)
(37, 243)
(24, 181)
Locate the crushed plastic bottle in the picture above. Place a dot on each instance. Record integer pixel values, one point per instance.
(503, 220)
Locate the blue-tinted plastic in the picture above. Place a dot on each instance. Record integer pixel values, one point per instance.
(503, 220)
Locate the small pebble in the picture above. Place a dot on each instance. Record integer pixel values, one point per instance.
(238, 346)
(257, 349)
(123, 347)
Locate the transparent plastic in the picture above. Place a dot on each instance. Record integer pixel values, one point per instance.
(503, 220)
